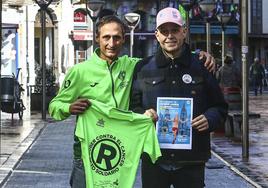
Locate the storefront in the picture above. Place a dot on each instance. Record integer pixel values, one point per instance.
(82, 35)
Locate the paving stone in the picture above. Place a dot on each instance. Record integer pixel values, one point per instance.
(257, 165)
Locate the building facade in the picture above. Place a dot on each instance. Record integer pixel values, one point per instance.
(69, 34)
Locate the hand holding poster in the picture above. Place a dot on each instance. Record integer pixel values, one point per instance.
(174, 129)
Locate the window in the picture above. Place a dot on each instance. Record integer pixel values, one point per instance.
(256, 16)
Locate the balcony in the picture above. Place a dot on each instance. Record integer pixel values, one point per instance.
(19, 3)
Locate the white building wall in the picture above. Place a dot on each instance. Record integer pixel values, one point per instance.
(65, 44)
(31, 60)
(32, 11)
(10, 15)
(22, 63)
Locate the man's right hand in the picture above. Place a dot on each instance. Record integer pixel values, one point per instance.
(79, 106)
(210, 63)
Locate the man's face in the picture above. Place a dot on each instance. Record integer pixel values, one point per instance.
(170, 37)
(110, 39)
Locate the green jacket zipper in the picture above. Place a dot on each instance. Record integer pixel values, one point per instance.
(110, 70)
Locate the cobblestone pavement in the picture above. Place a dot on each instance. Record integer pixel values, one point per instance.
(16, 136)
(256, 167)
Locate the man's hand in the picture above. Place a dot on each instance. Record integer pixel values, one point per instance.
(210, 61)
(200, 123)
(79, 106)
(151, 113)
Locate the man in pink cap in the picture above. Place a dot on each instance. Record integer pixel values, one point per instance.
(176, 72)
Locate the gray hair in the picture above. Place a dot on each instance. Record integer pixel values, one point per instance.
(256, 59)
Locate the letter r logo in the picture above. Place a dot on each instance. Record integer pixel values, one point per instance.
(106, 153)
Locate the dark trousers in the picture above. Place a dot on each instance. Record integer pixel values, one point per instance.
(257, 84)
(77, 179)
(190, 176)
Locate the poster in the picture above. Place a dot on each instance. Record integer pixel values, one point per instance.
(173, 127)
(9, 51)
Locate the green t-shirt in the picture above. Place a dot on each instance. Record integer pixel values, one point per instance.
(112, 142)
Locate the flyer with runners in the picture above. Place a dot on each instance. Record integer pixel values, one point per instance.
(174, 130)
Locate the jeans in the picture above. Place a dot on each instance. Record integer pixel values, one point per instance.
(77, 179)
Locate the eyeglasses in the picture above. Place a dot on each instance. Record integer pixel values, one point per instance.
(166, 32)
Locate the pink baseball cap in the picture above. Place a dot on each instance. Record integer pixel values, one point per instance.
(169, 15)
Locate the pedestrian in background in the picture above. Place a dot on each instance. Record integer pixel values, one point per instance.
(229, 78)
(228, 75)
(257, 74)
(175, 72)
(108, 82)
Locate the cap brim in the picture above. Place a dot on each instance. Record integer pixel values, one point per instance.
(169, 22)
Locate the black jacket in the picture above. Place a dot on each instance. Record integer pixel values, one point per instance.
(159, 76)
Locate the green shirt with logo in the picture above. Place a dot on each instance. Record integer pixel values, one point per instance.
(94, 79)
(112, 142)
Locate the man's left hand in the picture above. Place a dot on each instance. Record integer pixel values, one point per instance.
(200, 123)
(152, 114)
(210, 61)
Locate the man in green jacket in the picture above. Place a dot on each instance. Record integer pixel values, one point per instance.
(104, 77)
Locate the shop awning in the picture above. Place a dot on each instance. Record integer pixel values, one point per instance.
(82, 35)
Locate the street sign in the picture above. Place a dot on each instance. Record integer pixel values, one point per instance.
(244, 49)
